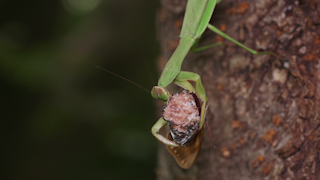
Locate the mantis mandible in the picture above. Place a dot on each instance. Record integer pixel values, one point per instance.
(196, 20)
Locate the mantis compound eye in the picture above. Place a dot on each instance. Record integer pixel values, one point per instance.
(159, 92)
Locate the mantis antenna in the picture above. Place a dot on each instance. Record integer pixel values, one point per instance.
(120, 77)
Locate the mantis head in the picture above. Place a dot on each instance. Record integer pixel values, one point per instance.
(159, 92)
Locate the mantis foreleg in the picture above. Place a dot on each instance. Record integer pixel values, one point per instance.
(155, 131)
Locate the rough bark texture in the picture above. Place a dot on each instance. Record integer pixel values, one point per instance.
(264, 111)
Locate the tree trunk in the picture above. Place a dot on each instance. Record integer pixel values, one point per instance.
(264, 111)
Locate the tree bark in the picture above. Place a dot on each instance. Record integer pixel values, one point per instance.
(264, 110)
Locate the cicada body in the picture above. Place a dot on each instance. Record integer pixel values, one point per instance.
(182, 113)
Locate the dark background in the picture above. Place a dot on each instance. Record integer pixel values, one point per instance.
(63, 118)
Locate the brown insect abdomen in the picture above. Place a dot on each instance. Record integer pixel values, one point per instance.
(183, 117)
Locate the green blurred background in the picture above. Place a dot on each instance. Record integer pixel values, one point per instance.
(63, 118)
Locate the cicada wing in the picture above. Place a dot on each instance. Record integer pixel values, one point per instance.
(185, 156)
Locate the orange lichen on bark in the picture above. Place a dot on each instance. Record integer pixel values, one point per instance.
(225, 152)
(270, 135)
(256, 162)
(275, 26)
(222, 28)
(309, 23)
(241, 8)
(277, 119)
(309, 57)
(278, 33)
(266, 169)
(219, 39)
(260, 158)
(219, 86)
(310, 137)
(237, 124)
(316, 41)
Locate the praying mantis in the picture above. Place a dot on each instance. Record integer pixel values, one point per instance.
(196, 20)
